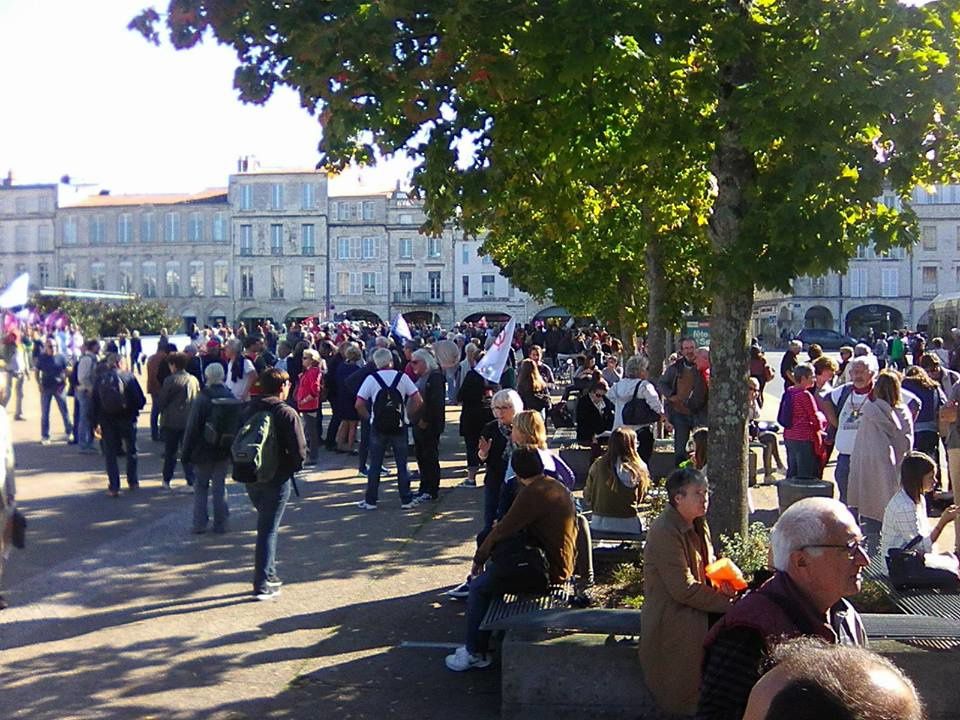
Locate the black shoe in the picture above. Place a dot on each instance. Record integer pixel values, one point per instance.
(3, 603)
(274, 582)
(268, 593)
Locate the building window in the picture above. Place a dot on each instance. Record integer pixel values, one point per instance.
(148, 279)
(436, 293)
(43, 238)
(148, 228)
(276, 196)
(928, 281)
(406, 248)
(433, 247)
(929, 237)
(308, 196)
(346, 211)
(466, 285)
(857, 282)
(43, 203)
(348, 248)
(958, 238)
(406, 219)
(370, 283)
(20, 239)
(465, 254)
(125, 277)
(196, 278)
(97, 229)
(246, 197)
(219, 227)
(43, 274)
(487, 286)
(276, 282)
(276, 239)
(309, 281)
(308, 241)
(348, 283)
(70, 231)
(221, 278)
(195, 227)
(818, 286)
(367, 209)
(98, 276)
(246, 239)
(172, 279)
(406, 284)
(20, 205)
(246, 281)
(486, 260)
(890, 282)
(369, 248)
(68, 275)
(171, 227)
(124, 228)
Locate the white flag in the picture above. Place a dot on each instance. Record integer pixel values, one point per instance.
(18, 293)
(400, 328)
(492, 364)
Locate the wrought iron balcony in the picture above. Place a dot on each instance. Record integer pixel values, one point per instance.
(421, 298)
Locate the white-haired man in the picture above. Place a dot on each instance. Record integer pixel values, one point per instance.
(818, 554)
(387, 391)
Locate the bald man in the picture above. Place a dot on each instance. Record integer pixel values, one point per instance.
(814, 681)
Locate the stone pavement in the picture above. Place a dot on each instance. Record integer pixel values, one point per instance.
(118, 611)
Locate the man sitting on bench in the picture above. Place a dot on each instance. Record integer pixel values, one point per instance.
(543, 511)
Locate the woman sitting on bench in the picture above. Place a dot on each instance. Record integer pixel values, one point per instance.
(616, 485)
(544, 512)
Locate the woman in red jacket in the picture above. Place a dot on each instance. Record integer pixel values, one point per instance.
(804, 435)
(308, 401)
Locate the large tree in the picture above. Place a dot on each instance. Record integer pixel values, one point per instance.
(790, 116)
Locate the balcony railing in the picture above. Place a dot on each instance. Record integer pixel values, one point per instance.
(421, 298)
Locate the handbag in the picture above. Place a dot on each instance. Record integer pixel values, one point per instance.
(519, 566)
(637, 410)
(907, 567)
(19, 538)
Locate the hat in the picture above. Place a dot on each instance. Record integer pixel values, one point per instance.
(214, 344)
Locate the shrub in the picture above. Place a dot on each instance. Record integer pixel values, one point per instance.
(750, 553)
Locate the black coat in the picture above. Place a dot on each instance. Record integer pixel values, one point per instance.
(590, 421)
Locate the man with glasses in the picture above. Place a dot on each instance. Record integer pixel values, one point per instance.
(52, 378)
(818, 556)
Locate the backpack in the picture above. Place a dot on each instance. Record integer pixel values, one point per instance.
(388, 406)
(637, 411)
(785, 412)
(111, 394)
(256, 450)
(222, 423)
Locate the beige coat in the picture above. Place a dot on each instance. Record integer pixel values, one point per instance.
(676, 601)
(883, 439)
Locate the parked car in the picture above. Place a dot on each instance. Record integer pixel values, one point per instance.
(827, 339)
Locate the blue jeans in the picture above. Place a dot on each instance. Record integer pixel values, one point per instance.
(117, 432)
(84, 426)
(154, 419)
(683, 425)
(483, 591)
(270, 501)
(491, 502)
(801, 460)
(172, 439)
(45, 397)
(378, 448)
(210, 475)
(313, 429)
(841, 473)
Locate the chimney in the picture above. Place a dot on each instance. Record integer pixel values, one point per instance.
(8, 180)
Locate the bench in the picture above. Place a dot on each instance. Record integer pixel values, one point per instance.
(616, 547)
(926, 602)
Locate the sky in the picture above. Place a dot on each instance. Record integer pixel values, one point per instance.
(81, 95)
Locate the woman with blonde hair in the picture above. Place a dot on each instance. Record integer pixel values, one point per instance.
(616, 484)
(884, 438)
(532, 388)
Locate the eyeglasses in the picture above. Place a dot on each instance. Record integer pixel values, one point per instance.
(853, 547)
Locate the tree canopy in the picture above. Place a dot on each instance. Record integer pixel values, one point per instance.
(745, 142)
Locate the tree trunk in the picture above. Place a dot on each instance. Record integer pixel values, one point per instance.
(656, 322)
(628, 327)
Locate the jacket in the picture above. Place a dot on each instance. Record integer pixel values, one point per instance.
(677, 602)
(619, 502)
(133, 394)
(685, 382)
(590, 420)
(175, 398)
(474, 411)
(195, 449)
(293, 444)
(433, 410)
(308, 390)
(154, 362)
(883, 439)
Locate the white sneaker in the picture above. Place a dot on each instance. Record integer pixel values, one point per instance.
(462, 660)
(364, 505)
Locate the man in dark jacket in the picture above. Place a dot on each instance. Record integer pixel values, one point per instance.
(176, 396)
(684, 390)
(118, 424)
(210, 460)
(428, 424)
(270, 499)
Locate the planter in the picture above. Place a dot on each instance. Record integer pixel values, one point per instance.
(792, 489)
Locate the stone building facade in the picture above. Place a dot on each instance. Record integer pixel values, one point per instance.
(27, 228)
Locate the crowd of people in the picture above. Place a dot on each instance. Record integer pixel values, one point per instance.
(705, 644)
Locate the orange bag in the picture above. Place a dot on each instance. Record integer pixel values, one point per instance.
(725, 570)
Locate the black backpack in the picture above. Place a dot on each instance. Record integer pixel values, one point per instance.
(637, 411)
(111, 393)
(388, 406)
(222, 423)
